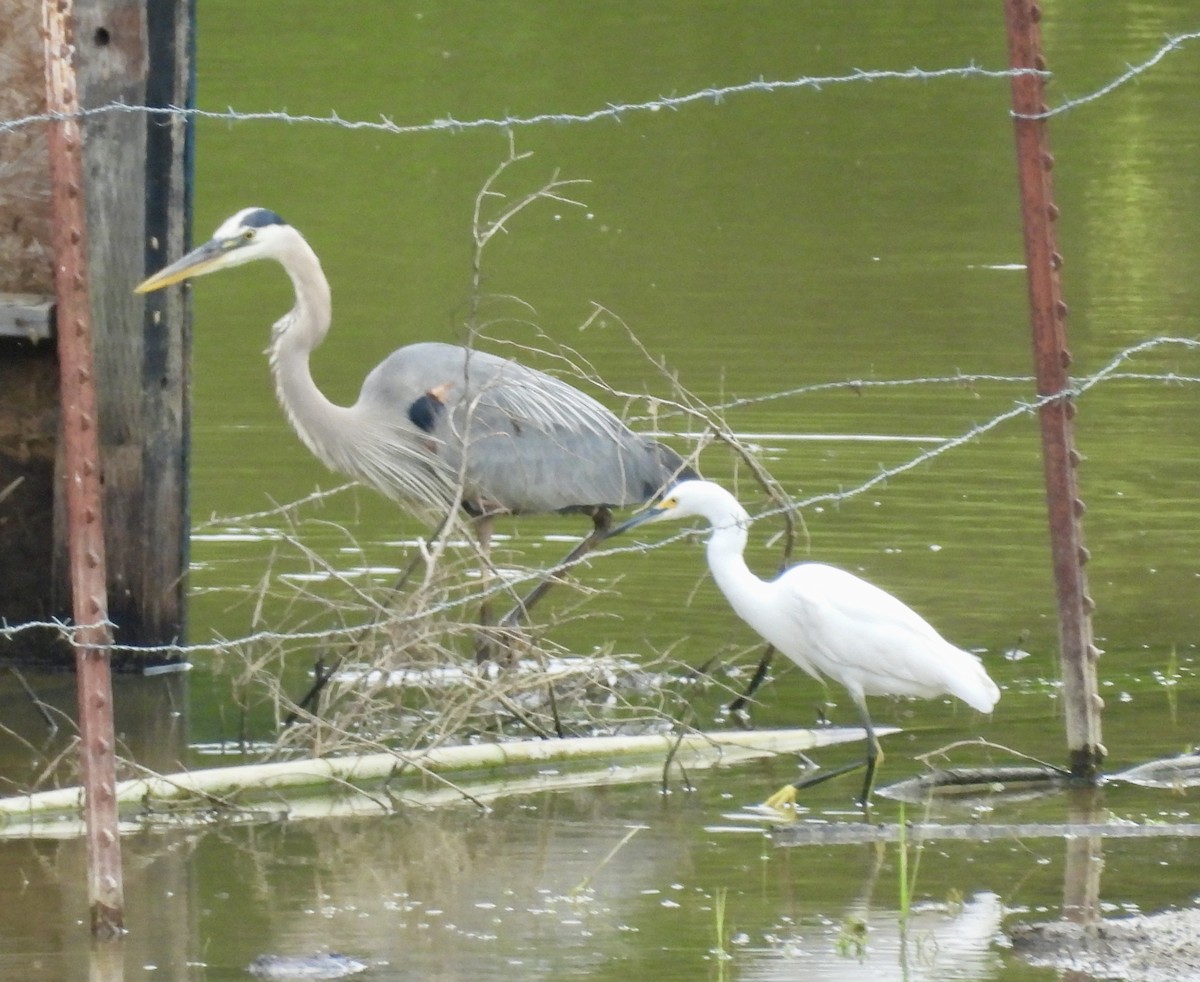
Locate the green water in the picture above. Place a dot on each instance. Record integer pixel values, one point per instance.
(862, 231)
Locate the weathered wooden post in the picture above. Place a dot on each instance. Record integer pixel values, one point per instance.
(138, 199)
(1077, 653)
(135, 174)
(28, 368)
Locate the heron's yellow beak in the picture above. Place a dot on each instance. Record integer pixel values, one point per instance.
(208, 258)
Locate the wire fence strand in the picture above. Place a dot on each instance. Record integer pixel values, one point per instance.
(1108, 373)
(1171, 44)
(617, 111)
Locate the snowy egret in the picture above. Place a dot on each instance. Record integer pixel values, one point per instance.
(829, 622)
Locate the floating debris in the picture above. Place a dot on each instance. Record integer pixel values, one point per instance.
(1160, 947)
(279, 968)
(1170, 772)
(1017, 651)
(609, 671)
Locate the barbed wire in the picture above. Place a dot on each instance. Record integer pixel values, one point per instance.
(617, 111)
(961, 380)
(1109, 372)
(613, 111)
(1021, 408)
(1171, 44)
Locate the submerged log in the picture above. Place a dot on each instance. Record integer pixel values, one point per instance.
(281, 786)
(978, 780)
(856, 833)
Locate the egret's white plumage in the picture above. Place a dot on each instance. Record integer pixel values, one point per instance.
(831, 623)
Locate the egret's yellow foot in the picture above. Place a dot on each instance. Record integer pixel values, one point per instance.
(783, 800)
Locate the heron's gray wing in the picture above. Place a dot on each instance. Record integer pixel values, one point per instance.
(522, 440)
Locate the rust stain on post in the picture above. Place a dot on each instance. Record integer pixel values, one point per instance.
(1052, 359)
(81, 453)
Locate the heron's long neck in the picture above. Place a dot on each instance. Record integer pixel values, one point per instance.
(295, 336)
(726, 558)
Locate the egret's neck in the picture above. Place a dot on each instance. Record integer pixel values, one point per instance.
(726, 555)
(295, 335)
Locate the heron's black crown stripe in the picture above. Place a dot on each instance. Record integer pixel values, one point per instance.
(262, 216)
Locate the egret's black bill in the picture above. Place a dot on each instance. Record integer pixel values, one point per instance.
(651, 513)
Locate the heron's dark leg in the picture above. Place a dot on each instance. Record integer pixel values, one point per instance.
(601, 522)
(760, 673)
(419, 558)
(321, 677)
(484, 649)
(483, 532)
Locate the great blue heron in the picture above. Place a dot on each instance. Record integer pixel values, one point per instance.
(829, 622)
(436, 423)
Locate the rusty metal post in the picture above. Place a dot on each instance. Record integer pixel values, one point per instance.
(82, 472)
(1077, 653)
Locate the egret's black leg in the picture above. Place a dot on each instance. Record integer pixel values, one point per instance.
(785, 798)
(811, 782)
(874, 757)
